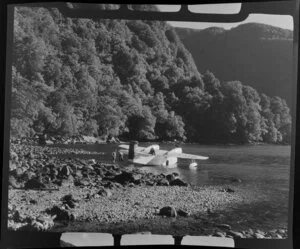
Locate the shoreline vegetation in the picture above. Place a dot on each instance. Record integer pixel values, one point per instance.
(81, 139)
(50, 193)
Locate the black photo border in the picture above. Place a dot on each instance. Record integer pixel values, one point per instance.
(48, 239)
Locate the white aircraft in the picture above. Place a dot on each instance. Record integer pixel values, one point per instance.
(152, 155)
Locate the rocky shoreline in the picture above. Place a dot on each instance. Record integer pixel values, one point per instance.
(49, 193)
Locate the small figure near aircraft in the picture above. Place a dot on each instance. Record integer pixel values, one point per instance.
(117, 155)
(153, 155)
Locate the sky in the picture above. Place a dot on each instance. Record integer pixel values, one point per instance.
(281, 21)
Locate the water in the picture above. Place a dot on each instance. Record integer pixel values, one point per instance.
(259, 164)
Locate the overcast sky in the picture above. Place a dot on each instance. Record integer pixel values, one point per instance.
(281, 21)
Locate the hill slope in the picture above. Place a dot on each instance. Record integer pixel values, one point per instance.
(259, 55)
(128, 78)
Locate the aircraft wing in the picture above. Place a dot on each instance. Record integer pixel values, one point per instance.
(188, 156)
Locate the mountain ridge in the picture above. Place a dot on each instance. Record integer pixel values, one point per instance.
(259, 55)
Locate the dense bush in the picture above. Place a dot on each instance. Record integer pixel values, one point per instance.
(133, 79)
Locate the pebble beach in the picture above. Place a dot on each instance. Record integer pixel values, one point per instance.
(68, 195)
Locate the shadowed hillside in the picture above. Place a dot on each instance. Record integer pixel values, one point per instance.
(259, 55)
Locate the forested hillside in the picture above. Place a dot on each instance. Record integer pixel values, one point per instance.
(132, 79)
(259, 55)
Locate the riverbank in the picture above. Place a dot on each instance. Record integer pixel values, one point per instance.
(49, 193)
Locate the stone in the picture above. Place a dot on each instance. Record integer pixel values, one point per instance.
(219, 234)
(53, 172)
(46, 221)
(14, 156)
(282, 231)
(131, 185)
(49, 142)
(259, 236)
(149, 183)
(118, 185)
(104, 192)
(32, 201)
(228, 190)
(83, 182)
(60, 214)
(235, 234)
(78, 174)
(178, 182)
(19, 171)
(99, 172)
(16, 216)
(67, 182)
(175, 174)
(183, 213)
(170, 177)
(109, 185)
(224, 226)
(92, 161)
(69, 200)
(12, 166)
(65, 170)
(163, 182)
(124, 177)
(168, 211)
(136, 177)
(12, 181)
(34, 184)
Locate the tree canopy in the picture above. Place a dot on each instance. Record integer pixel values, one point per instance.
(128, 78)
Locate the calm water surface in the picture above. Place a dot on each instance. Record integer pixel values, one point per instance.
(265, 164)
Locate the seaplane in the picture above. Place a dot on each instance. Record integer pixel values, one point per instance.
(154, 156)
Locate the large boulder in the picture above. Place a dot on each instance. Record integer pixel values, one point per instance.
(60, 214)
(170, 177)
(65, 171)
(12, 181)
(69, 200)
(34, 184)
(178, 182)
(168, 211)
(124, 177)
